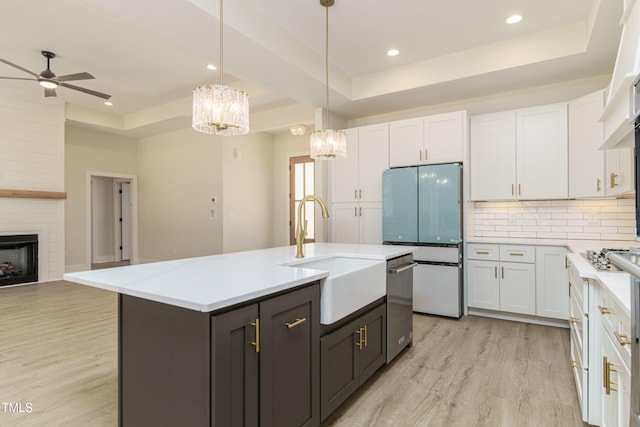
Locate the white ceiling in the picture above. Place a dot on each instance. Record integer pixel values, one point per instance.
(150, 54)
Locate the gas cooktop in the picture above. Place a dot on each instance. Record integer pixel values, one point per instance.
(600, 260)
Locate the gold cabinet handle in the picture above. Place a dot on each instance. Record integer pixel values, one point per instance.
(613, 180)
(519, 190)
(482, 253)
(604, 310)
(360, 193)
(573, 364)
(516, 254)
(426, 154)
(355, 193)
(574, 320)
(623, 339)
(420, 155)
(256, 343)
(598, 182)
(360, 211)
(355, 211)
(360, 332)
(365, 335)
(296, 322)
(495, 271)
(607, 368)
(566, 264)
(512, 190)
(605, 374)
(503, 272)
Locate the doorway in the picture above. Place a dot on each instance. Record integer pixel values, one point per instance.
(111, 219)
(301, 184)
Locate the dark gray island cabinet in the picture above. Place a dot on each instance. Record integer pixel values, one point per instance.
(351, 353)
(253, 364)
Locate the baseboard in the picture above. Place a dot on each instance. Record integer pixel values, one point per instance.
(77, 267)
(545, 321)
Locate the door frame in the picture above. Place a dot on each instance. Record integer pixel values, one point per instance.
(118, 225)
(292, 210)
(133, 179)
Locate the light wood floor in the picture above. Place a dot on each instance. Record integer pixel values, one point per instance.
(58, 352)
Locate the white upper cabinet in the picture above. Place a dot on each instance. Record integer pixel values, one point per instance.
(520, 154)
(586, 134)
(428, 140)
(542, 152)
(493, 156)
(358, 178)
(406, 142)
(620, 174)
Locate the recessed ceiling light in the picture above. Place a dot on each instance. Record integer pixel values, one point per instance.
(393, 52)
(514, 19)
(108, 103)
(211, 67)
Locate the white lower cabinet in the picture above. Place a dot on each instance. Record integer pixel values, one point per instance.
(518, 287)
(552, 282)
(522, 279)
(616, 359)
(483, 284)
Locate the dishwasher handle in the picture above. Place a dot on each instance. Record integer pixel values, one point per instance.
(402, 268)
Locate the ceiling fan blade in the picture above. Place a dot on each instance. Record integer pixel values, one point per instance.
(18, 78)
(71, 77)
(87, 91)
(49, 92)
(18, 67)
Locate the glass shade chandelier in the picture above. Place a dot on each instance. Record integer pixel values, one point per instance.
(219, 109)
(327, 144)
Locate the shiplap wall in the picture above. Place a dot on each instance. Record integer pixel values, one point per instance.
(32, 158)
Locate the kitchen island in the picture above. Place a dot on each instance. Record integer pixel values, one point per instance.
(230, 339)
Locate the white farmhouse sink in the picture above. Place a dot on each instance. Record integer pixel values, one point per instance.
(352, 284)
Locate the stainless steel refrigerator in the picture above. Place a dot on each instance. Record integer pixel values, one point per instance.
(422, 206)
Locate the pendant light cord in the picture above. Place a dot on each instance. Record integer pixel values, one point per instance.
(326, 57)
(221, 45)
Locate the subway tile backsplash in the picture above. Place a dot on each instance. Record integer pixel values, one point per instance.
(604, 219)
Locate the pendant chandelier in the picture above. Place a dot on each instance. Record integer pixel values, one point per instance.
(219, 109)
(327, 144)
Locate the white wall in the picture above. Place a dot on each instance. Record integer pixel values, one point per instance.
(247, 194)
(529, 97)
(90, 151)
(102, 209)
(32, 158)
(179, 173)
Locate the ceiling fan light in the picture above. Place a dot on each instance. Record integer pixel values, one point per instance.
(48, 84)
(220, 110)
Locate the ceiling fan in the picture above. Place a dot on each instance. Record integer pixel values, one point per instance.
(50, 81)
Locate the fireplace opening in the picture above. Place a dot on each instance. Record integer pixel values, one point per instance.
(18, 259)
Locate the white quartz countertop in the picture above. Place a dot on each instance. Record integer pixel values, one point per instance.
(214, 282)
(574, 245)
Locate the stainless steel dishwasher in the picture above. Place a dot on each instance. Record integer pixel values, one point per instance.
(399, 304)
